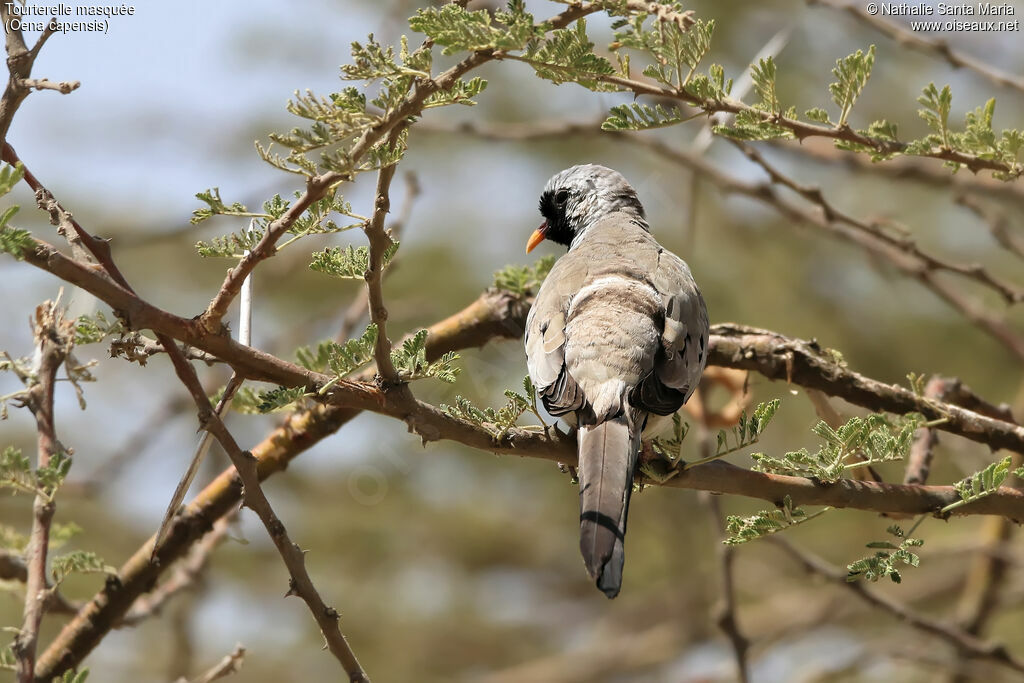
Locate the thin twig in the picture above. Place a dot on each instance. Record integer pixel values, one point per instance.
(358, 308)
(954, 635)
(379, 242)
(53, 336)
(63, 87)
(726, 609)
(225, 667)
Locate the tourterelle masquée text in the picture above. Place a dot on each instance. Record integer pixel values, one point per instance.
(61, 18)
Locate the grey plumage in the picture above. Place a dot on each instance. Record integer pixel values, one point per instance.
(618, 331)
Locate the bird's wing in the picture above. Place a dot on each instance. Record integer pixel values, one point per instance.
(684, 338)
(545, 337)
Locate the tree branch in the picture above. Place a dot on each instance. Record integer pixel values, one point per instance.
(379, 243)
(53, 336)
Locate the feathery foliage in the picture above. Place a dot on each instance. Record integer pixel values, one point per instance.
(410, 360)
(314, 221)
(524, 280)
(852, 74)
(747, 431)
(497, 421)
(348, 263)
(638, 116)
(982, 483)
(78, 562)
(462, 30)
(13, 241)
(568, 57)
(884, 562)
(671, 448)
(16, 473)
(249, 401)
(91, 329)
(743, 529)
(875, 437)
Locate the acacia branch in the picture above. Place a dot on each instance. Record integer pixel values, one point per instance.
(53, 337)
(379, 243)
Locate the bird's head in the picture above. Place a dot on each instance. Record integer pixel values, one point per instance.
(577, 198)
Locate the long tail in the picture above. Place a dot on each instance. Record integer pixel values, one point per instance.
(607, 454)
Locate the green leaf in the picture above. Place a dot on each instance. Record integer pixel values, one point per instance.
(348, 263)
(50, 478)
(249, 401)
(818, 114)
(884, 563)
(524, 280)
(279, 399)
(410, 360)
(743, 529)
(16, 471)
(852, 74)
(90, 329)
(230, 246)
(874, 438)
(461, 92)
(567, 56)
(10, 176)
(460, 30)
(749, 125)
(353, 354)
(78, 562)
(15, 241)
(638, 116)
(74, 676)
(497, 422)
(981, 484)
(763, 74)
(215, 206)
(935, 113)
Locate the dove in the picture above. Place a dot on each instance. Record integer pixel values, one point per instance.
(617, 334)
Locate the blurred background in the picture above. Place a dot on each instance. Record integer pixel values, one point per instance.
(447, 564)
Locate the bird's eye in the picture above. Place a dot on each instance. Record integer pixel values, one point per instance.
(561, 198)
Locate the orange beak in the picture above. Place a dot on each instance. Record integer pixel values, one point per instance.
(536, 238)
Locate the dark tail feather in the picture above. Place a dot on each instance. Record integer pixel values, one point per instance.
(607, 454)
